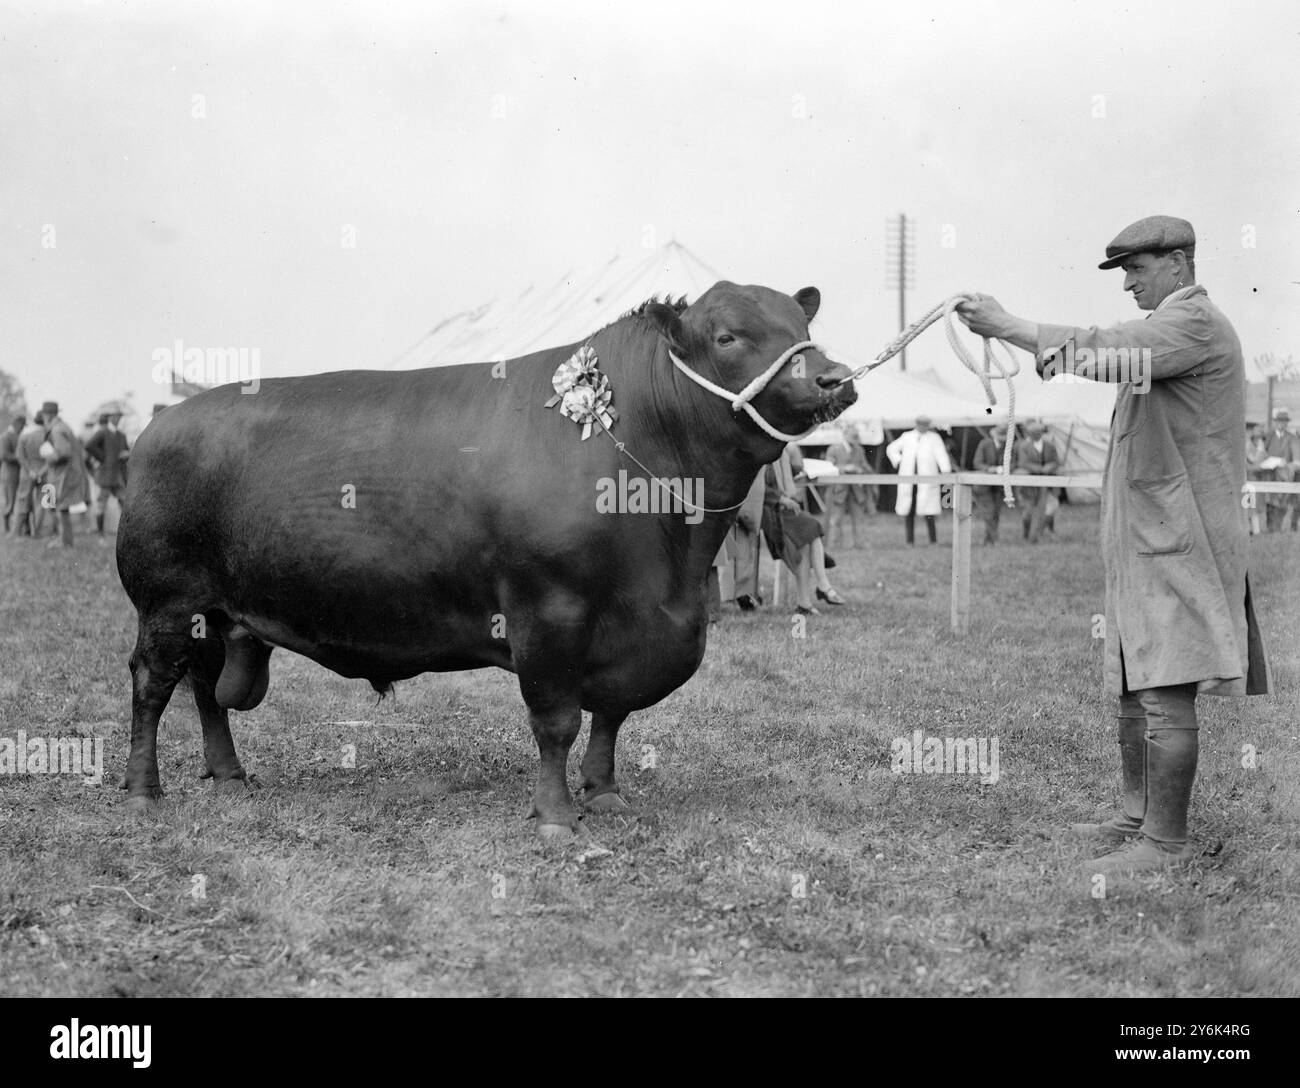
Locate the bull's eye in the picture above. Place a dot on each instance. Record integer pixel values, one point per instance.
(725, 339)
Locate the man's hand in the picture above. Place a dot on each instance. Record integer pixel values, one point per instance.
(788, 504)
(984, 315)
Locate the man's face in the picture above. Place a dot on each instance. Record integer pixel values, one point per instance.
(1150, 278)
(999, 435)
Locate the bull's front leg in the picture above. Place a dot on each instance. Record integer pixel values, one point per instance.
(554, 728)
(549, 648)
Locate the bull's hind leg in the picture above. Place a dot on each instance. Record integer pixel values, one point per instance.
(600, 789)
(221, 762)
(161, 656)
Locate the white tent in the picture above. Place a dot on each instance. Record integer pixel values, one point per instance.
(572, 307)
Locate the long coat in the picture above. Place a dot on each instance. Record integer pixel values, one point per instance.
(107, 448)
(1173, 528)
(919, 453)
(67, 467)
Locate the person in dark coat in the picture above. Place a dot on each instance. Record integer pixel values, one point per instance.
(1179, 616)
(1285, 446)
(10, 469)
(1035, 455)
(988, 500)
(795, 537)
(108, 450)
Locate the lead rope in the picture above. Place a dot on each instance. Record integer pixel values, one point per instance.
(1004, 371)
(622, 448)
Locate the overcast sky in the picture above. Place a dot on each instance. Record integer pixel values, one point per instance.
(192, 171)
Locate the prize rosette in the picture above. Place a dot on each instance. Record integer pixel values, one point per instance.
(583, 392)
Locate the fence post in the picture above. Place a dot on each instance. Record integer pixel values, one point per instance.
(961, 506)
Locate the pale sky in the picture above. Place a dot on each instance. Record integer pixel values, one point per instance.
(198, 166)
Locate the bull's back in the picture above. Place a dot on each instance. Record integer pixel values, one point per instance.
(357, 513)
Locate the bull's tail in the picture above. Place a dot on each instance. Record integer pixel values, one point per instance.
(246, 673)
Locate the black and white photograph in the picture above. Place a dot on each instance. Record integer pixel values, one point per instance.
(690, 500)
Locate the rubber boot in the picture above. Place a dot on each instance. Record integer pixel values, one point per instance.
(931, 529)
(99, 524)
(1171, 770)
(1127, 824)
(909, 526)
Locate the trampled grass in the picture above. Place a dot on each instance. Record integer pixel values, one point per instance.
(767, 775)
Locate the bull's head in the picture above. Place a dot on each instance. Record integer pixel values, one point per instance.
(732, 335)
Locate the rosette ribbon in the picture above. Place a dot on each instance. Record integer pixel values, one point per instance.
(583, 392)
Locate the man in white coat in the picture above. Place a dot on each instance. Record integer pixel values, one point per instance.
(919, 452)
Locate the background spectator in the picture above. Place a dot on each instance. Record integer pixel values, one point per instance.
(919, 452)
(1035, 456)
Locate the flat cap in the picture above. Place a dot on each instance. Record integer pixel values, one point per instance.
(1281, 415)
(49, 408)
(1152, 234)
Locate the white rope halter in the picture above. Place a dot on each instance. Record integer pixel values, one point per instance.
(741, 400)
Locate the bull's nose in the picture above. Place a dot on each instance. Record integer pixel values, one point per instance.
(833, 377)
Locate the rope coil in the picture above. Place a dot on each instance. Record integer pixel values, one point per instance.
(993, 369)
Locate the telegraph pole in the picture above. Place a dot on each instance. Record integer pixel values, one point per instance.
(900, 268)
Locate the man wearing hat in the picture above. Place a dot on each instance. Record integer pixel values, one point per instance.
(989, 455)
(65, 469)
(1281, 443)
(1179, 620)
(919, 452)
(1035, 456)
(108, 449)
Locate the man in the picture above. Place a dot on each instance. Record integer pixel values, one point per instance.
(1179, 619)
(1036, 456)
(10, 469)
(919, 452)
(845, 500)
(108, 449)
(29, 514)
(65, 470)
(989, 455)
(1285, 446)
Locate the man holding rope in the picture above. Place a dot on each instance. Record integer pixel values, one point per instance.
(1179, 620)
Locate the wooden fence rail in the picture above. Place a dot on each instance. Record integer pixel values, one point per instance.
(961, 484)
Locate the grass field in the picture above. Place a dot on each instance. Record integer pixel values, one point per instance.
(415, 873)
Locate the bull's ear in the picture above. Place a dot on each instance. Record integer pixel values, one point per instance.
(668, 322)
(810, 299)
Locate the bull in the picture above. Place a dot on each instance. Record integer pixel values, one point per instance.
(388, 524)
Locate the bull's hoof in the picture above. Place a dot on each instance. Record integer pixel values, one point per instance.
(605, 804)
(235, 788)
(141, 804)
(555, 833)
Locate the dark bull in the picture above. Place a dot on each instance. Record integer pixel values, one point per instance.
(390, 524)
